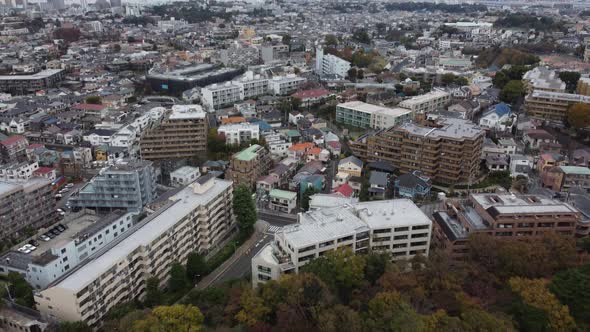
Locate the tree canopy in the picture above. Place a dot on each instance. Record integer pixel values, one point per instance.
(578, 115)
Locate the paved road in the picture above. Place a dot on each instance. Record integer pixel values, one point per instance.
(276, 219)
(62, 201)
(241, 267)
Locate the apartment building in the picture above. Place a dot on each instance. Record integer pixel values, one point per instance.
(196, 219)
(270, 53)
(23, 84)
(395, 226)
(583, 87)
(248, 165)
(238, 133)
(18, 171)
(216, 96)
(428, 102)
(13, 148)
(236, 56)
(25, 204)
(128, 185)
(564, 178)
(544, 79)
(502, 215)
(448, 150)
(285, 85)
(330, 65)
(363, 115)
(252, 85)
(181, 134)
(551, 107)
(183, 176)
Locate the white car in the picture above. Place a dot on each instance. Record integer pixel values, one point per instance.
(69, 185)
(30, 247)
(25, 250)
(58, 196)
(62, 213)
(44, 238)
(59, 210)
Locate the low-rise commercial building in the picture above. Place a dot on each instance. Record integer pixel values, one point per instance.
(196, 219)
(363, 115)
(181, 134)
(397, 226)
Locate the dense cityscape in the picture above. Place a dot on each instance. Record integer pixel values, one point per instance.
(271, 165)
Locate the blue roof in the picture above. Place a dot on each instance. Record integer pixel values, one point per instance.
(501, 109)
(52, 120)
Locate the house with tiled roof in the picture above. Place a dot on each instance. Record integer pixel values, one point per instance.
(498, 117)
(311, 97)
(298, 151)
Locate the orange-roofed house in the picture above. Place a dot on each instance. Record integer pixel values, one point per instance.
(317, 154)
(233, 119)
(297, 151)
(312, 96)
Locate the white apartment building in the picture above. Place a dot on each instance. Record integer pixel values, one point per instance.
(277, 144)
(329, 64)
(364, 115)
(252, 85)
(18, 171)
(216, 95)
(238, 133)
(197, 219)
(184, 175)
(285, 85)
(395, 226)
(428, 102)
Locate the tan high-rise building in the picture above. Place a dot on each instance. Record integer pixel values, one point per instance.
(248, 165)
(448, 151)
(583, 87)
(196, 219)
(551, 107)
(181, 134)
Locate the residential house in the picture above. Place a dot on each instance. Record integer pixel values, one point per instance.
(520, 165)
(412, 185)
(498, 117)
(378, 184)
(535, 138)
(351, 165)
(282, 200)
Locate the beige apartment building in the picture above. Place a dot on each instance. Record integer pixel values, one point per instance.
(428, 102)
(181, 134)
(551, 107)
(248, 165)
(583, 87)
(448, 151)
(197, 219)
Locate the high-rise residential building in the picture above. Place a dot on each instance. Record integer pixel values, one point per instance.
(363, 115)
(182, 133)
(25, 204)
(428, 102)
(129, 185)
(196, 219)
(115, 3)
(248, 165)
(330, 65)
(506, 216)
(448, 150)
(396, 226)
(551, 107)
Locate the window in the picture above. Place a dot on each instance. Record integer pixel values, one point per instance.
(420, 227)
(414, 236)
(263, 277)
(63, 250)
(400, 237)
(264, 269)
(65, 259)
(402, 229)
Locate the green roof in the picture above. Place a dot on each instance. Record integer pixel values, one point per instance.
(293, 133)
(575, 170)
(283, 194)
(248, 153)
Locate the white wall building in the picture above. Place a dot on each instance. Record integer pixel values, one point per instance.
(238, 133)
(184, 176)
(252, 85)
(285, 85)
(219, 95)
(428, 102)
(329, 64)
(395, 226)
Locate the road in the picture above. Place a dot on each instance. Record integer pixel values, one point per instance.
(62, 201)
(241, 267)
(275, 218)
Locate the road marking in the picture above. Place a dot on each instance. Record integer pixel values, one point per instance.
(274, 229)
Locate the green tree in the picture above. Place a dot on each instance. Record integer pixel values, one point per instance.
(74, 327)
(178, 281)
(178, 317)
(20, 290)
(253, 310)
(572, 288)
(578, 115)
(352, 74)
(94, 100)
(387, 311)
(153, 294)
(571, 79)
(512, 91)
(331, 41)
(340, 318)
(306, 197)
(448, 79)
(244, 209)
(196, 267)
(361, 36)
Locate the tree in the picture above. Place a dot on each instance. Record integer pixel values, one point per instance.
(578, 115)
(352, 74)
(253, 310)
(534, 293)
(286, 39)
(117, 48)
(387, 311)
(331, 41)
(360, 74)
(340, 318)
(20, 290)
(571, 79)
(153, 294)
(306, 197)
(572, 288)
(244, 209)
(361, 36)
(178, 317)
(196, 266)
(448, 79)
(512, 91)
(96, 100)
(178, 281)
(74, 327)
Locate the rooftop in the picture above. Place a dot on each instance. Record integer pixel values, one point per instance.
(283, 194)
(451, 128)
(580, 170)
(249, 153)
(569, 97)
(360, 106)
(181, 112)
(37, 76)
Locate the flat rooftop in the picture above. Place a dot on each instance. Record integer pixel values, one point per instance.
(508, 204)
(570, 97)
(184, 171)
(372, 109)
(425, 98)
(451, 128)
(180, 112)
(37, 76)
(141, 234)
(249, 153)
(28, 185)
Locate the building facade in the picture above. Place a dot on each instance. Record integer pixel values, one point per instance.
(239, 133)
(551, 107)
(248, 165)
(364, 115)
(428, 102)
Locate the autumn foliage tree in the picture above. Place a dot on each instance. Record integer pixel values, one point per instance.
(578, 115)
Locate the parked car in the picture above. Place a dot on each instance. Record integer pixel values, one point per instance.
(62, 225)
(58, 196)
(44, 237)
(60, 228)
(50, 234)
(34, 243)
(69, 185)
